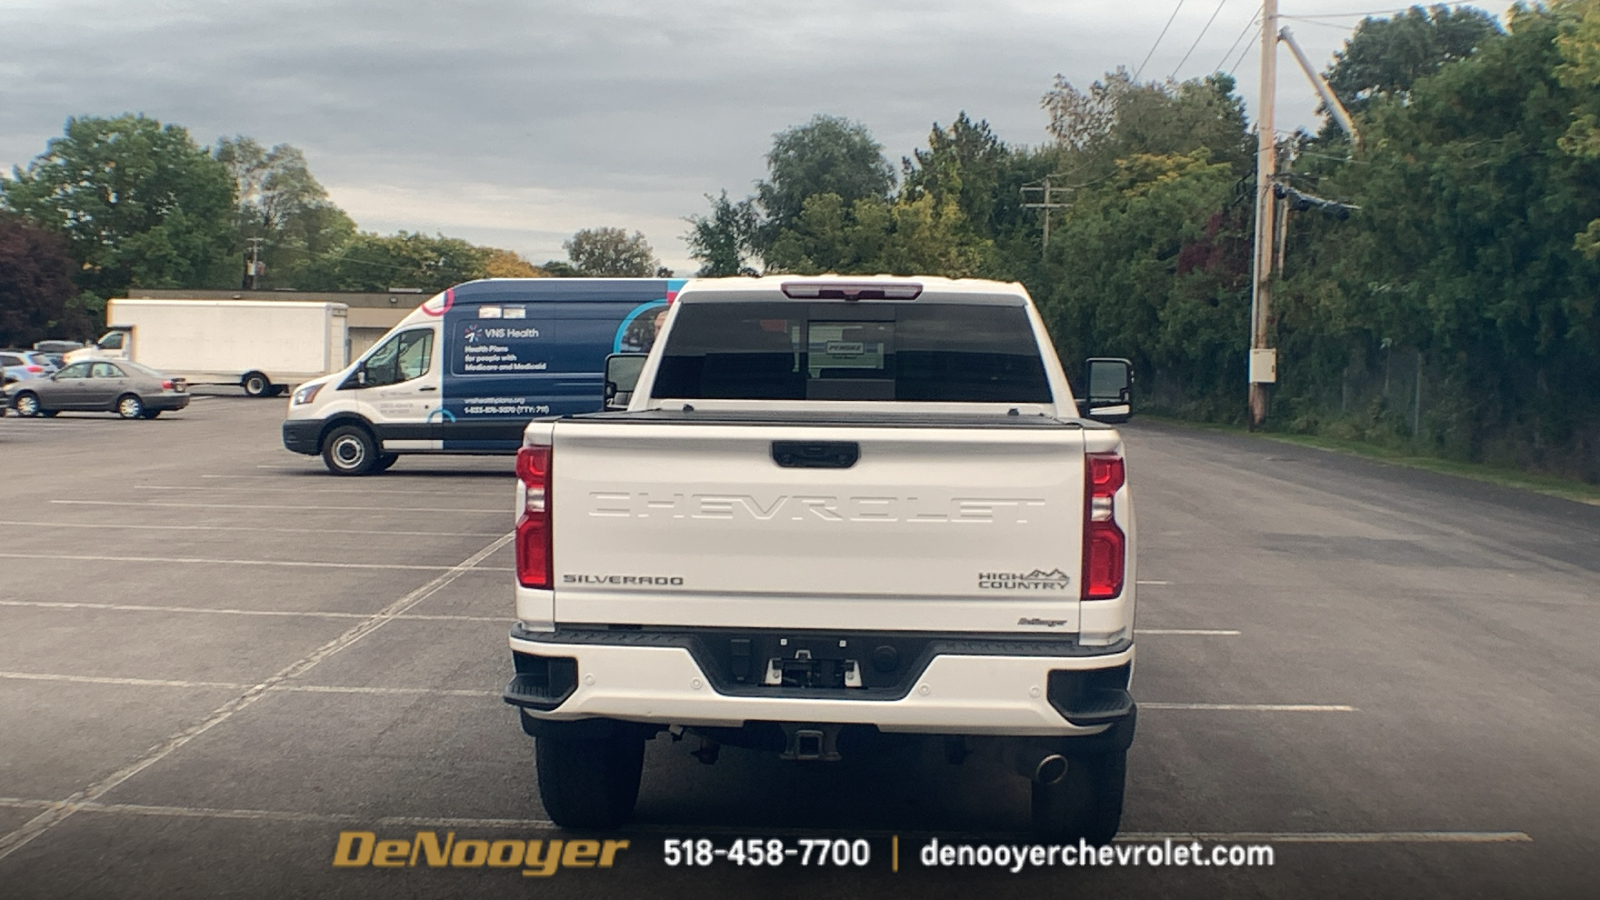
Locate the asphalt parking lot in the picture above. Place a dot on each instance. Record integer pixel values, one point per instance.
(214, 658)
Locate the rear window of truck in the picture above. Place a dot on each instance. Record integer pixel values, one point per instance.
(847, 351)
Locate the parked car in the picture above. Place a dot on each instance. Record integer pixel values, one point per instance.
(56, 351)
(21, 365)
(128, 389)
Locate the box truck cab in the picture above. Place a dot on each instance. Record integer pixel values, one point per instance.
(467, 370)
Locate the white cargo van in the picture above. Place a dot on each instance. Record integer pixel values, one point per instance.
(467, 370)
(263, 346)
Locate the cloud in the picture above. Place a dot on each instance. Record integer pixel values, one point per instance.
(527, 120)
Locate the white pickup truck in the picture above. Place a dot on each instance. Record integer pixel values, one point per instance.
(832, 507)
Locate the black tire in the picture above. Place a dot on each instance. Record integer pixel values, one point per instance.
(26, 404)
(256, 384)
(349, 450)
(1086, 803)
(129, 406)
(589, 783)
(152, 414)
(385, 460)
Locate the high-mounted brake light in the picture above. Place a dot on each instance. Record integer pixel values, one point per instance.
(533, 524)
(1104, 544)
(833, 290)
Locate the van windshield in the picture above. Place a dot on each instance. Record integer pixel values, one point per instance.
(839, 351)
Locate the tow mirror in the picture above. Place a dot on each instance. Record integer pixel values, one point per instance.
(622, 375)
(1108, 387)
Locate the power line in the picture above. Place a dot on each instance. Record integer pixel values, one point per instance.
(1246, 30)
(1138, 71)
(1197, 40)
(1243, 53)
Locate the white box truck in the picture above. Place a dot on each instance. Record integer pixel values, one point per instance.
(263, 346)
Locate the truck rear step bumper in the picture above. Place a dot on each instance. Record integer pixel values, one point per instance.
(955, 693)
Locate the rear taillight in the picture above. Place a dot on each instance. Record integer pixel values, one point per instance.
(533, 523)
(166, 385)
(34, 369)
(1104, 544)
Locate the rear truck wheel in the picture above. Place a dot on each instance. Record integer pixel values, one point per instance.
(256, 384)
(1086, 803)
(129, 406)
(26, 404)
(349, 450)
(589, 782)
(385, 460)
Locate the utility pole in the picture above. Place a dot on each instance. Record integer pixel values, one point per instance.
(254, 265)
(1047, 204)
(1263, 365)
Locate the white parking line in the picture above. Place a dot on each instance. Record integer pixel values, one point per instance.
(449, 489)
(283, 613)
(1237, 837)
(278, 688)
(151, 503)
(1332, 837)
(444, 692)
(1213, 632)
(292, 564)
(1252, 707)
(1154, 582)
(57, 814)
(442, 534)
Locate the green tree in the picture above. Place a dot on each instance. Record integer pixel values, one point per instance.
(724, 241)
(373, 262)
(499, 263)
(611, 252)
(1118, 118)
(828, 155)
(139, 203)
(36, 290)
(281, 204)
(1579, 72)
(1386, 57)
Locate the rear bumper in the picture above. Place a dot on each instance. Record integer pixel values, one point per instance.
(167, 402)
(301, 436)
(955, 693)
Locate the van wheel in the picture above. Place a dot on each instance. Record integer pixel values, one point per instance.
(589, 782)
(1086, 803)
(256, 384)
(130, 406)
(349, 450)
(385, 460)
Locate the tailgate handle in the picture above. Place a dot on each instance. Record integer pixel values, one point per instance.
(815, 454)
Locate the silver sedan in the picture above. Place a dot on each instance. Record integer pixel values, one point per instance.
(126, 388)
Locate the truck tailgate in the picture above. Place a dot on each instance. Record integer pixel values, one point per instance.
(967, 529)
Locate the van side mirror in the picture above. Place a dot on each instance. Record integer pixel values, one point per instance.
(1108, 389)
(622, 375)
(361, 377)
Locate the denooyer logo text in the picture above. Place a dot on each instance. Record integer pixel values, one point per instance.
(536, 858)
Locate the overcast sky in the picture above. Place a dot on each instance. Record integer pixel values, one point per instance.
(517, 122)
